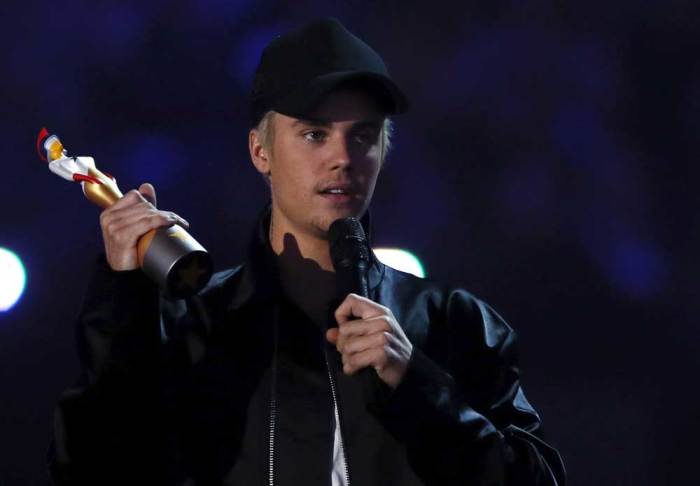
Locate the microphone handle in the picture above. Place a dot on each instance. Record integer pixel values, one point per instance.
(352, 278)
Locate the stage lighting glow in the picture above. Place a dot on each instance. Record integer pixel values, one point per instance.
(12, 279)
(401, 260)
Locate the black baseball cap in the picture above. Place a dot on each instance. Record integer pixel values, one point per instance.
(298, 68)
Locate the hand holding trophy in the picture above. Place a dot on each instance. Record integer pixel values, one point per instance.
(168, 254)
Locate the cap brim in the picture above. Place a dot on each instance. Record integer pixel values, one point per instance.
(303, 100)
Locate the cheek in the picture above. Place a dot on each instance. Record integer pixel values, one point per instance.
(371, 185)
(291, 185)
(371, 168)
(371, 159)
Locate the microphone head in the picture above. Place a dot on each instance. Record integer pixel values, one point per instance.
(348, 243)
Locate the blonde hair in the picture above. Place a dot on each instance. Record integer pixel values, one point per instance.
(266, 135)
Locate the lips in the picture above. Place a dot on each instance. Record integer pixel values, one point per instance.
(338, 192)
(338, 188)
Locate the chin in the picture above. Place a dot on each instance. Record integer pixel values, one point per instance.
(323, 223)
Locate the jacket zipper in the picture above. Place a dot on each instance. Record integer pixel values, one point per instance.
(336, 411)
(273, 410)
(273, 402)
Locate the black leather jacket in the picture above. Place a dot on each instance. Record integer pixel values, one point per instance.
(236, 386)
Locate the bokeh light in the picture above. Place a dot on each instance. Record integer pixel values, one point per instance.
(12, 279)
(401, 260)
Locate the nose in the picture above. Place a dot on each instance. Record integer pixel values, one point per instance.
(341, 153)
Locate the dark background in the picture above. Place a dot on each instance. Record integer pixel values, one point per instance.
(548, 164)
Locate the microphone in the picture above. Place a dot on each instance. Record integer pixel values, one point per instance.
(350, 255)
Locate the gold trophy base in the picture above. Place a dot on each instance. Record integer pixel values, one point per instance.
(176, 261)
(169, 256)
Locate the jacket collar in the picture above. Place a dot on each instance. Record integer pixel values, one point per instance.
(259, 283)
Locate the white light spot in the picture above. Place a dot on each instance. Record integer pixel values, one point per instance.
(12, 279)
(401, 260)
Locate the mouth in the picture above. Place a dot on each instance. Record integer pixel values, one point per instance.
(338, 193)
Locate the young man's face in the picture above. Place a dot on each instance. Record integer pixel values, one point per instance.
(325, 168)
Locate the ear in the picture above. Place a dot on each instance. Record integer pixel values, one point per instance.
(258, 155)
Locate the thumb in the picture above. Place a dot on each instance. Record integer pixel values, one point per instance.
(149, 192)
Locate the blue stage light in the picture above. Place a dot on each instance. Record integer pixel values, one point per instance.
(155, 158)
(401, 260)
(245, 55)
(637, 268)
(12, 279)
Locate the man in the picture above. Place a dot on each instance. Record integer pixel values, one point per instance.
(264, 377)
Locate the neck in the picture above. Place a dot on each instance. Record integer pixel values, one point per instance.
(306, 248)
(305, 268)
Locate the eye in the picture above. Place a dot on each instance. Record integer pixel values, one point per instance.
(314, 135)
(367, 136)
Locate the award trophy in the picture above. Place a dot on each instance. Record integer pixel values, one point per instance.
(169, 256)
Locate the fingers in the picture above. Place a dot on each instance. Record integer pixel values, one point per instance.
(351, 330)
(126, 231)
(355, 306)
(363, 343)
(131, 214)
(129, 219)
(149, 192)
(369, 335)
(377, 358)
(134, 221)
(368, 350)
(129, 199)
(332, 335)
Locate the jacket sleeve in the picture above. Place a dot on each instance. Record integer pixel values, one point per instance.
(460, 408)
(108, 426)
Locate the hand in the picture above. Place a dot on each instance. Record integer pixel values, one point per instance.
(127, 220)
(375, 339)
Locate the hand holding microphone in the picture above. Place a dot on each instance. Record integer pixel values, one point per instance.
(368, 335)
